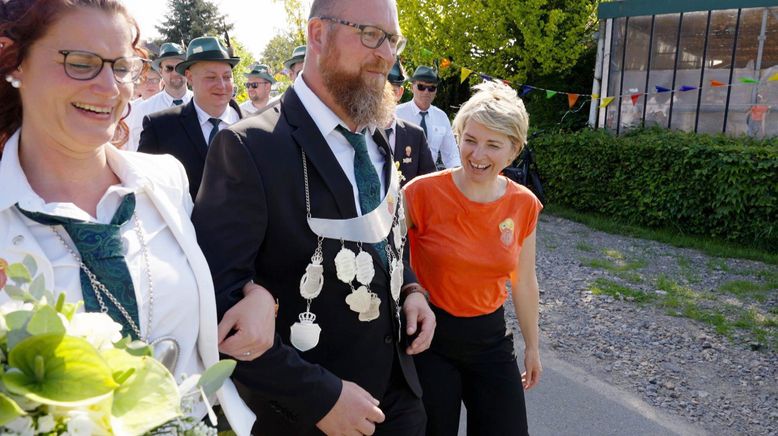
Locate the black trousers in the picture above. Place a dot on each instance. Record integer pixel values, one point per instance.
(472, 360)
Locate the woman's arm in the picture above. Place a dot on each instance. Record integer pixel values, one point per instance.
(524, 288)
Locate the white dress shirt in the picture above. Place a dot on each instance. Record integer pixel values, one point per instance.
(173, 279)
(326, 120)
(248, 107)
(159, 101)
(229, 117)
(440, 137)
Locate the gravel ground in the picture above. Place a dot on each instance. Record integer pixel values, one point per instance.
(724, 380)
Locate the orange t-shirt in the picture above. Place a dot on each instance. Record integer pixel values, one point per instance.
(463, 252)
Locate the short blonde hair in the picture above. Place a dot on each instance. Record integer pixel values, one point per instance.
(499, 108)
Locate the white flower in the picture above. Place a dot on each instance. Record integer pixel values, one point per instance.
(21, 426)
(14, 305)
(46, 424)
(97, 328)
(80, 424)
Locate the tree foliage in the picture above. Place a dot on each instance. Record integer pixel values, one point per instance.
(279, 49)
(244, 66)
(189, 19)
(510, 39)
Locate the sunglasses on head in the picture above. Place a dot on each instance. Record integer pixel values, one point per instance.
(255, 85)
(430, 88)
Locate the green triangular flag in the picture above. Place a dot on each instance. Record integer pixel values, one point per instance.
(748, 80)
(550, 93)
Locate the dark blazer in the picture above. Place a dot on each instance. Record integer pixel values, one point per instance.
(176, 131)
(412, 151)
(250, 218)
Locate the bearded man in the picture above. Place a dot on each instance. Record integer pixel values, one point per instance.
(303, 203)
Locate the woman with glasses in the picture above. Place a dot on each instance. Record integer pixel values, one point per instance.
(105, 226)
(149, 85)
(471, 231)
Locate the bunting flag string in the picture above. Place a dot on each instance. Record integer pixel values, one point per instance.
(572, 98)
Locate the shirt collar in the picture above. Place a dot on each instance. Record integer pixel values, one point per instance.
(17, 189)
(326, 120)
(228, 116)
(418, 110)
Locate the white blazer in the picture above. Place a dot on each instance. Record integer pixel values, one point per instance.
(168, 190)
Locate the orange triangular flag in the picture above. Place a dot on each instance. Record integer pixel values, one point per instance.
(606, 101)
(717, 83)
(444, 63)
(465, 74)
(571, 99)
(635, 98)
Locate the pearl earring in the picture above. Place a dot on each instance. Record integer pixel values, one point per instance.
(16, 83)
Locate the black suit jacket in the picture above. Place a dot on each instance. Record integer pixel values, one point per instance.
(250, 217)
(412, 151)
(176, 131)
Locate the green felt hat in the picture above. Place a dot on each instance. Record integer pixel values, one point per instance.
(262, 72)
(396, 74)
(205, 48)
(169, 50)
(298, 55)
(425, 74)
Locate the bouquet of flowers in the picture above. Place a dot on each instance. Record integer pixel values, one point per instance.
(69, 372)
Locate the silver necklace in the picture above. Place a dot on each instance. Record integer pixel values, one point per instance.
(100, 289)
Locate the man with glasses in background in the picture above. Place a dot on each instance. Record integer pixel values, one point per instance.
(276, 190)
(175, 92)
(432, 120)
(258, 84)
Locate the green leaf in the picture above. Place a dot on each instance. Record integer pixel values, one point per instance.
(73, 373)
(213, 377)
(32, 266)
(38, 287)
(45, 320)
(9, 410)
(18, 272)
(16, 320)
(17, 293)
(148, 396)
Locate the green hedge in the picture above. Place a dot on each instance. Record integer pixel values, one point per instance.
(699, 184)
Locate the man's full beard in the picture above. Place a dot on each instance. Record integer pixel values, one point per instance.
(363, 102)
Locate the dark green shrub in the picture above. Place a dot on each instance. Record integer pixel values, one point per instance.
(698, 184)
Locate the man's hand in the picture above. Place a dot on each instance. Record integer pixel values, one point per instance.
(355, 413)
(253, 319)
(418, 315)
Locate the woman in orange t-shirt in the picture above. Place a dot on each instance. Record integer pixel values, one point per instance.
(471, 230)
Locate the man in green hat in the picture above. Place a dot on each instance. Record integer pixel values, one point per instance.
(405, 138)
(432, 120)
(175, 92)
(186, 131)
(258, 84)
(295, 64)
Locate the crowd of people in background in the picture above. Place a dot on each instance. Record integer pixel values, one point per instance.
(352, 254)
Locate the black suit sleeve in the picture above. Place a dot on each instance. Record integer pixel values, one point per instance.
(149, 143)
(426, 163)
(230, 217)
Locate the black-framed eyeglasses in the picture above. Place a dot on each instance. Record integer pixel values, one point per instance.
(84, 65)
(372, 36)
(256, 85)
(430, 88)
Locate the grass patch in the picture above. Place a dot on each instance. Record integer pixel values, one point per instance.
(629, 276)
(709, 246)
(708, 316)
(583, 246)
(685, 264)
(717, 263)
(608, 287)
(614, 266)
(747, 289)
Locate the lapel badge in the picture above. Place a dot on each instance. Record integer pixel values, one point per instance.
(408, 151)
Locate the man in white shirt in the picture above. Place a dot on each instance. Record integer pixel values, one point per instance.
(186, 131)
(258, 84)
(432, 120)
(175, 93)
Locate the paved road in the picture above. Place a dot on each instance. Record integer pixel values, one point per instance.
(569, 401)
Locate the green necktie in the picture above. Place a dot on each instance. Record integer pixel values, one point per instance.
(101, 249)
(368, 183)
